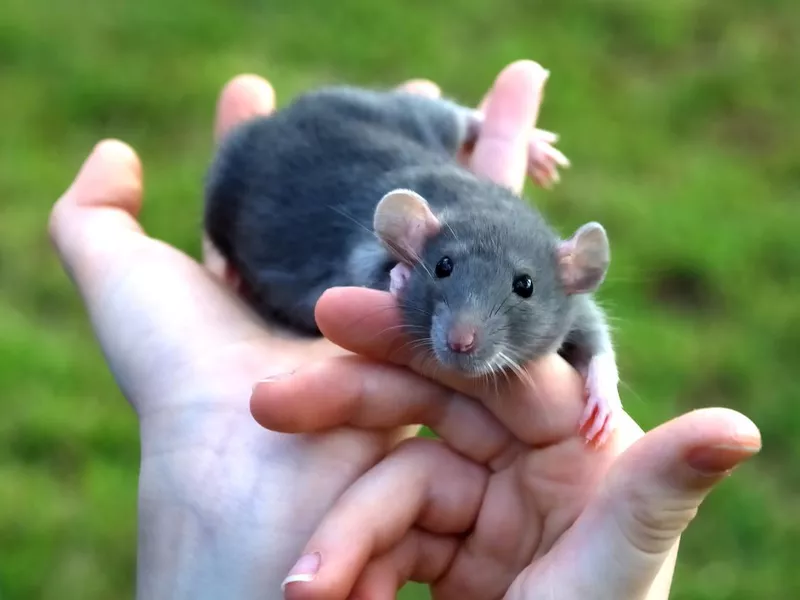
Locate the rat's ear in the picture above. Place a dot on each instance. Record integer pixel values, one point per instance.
(583, 259)
(404, 222)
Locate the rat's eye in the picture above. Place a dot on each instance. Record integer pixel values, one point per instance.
(444, 267)
(523, 286)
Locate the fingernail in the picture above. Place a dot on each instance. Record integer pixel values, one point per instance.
(276, 377)
(716, 460)
(536, 71)
(271, 378)
(304, 570)
(540, 74)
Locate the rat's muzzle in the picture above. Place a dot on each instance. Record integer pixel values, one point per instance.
(462, 338)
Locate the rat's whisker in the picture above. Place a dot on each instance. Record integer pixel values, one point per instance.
(492, 310)
(493, 313)
(483, 379)
(505, 372)
(346, 215)
(418, 262)
(403, 328)
(519, 301)
(627, 386)
(503, 361)
(455, 237)
(378, 311)
(421, 345)
(524, 375)
(417, 258)
(414, 345)
(415, 308)
(425, 368)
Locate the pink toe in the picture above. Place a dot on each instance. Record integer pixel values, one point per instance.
(604, 438)
(598, 426)
(607, 431)
(588, 412)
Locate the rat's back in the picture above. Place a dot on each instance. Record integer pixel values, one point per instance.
(289, 196)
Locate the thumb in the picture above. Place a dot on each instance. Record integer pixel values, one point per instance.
(96, 214)
(652, 492)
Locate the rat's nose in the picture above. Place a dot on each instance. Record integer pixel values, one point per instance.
(461, 338)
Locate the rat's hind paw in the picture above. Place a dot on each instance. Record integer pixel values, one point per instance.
(603, 405)
(544, 159)
(232, 279)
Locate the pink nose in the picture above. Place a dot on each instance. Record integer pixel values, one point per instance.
(461, 338)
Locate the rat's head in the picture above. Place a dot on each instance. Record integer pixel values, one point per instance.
(484, 302)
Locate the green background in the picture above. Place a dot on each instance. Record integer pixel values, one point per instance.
(680, 118)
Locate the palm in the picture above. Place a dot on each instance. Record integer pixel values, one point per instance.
(188, 371)
(507, 499)
(551, 489)
(196, 380)
(529, 504)
(186, 351)
(502, 503)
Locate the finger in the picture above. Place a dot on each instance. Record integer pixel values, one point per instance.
(512, 108)
(97, 214)
(137, 289)
(421, 557)
(540, 408)
(243, 98)
(421, 483)
(423, 87)
(355, 391)
(650, 495)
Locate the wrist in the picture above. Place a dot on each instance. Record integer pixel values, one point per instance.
(662, 584)
(186, 556)
(213, 507)
(214, 545)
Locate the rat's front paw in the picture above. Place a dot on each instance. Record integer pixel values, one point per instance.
(398, 277)
(603, 404)
(220, 267)
(544, 159)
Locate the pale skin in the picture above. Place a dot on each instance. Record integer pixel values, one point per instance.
(509, 503)
(226, 506)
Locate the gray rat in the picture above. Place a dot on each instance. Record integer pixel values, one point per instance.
(355, 187)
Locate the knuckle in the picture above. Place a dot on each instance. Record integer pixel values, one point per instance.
(650, 522)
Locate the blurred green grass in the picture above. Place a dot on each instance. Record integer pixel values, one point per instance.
(680, 119)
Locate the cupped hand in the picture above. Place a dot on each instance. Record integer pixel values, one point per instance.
(509, 502)
(224, 506)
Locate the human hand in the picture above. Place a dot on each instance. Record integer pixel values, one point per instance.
(224, 506)
(510, 502)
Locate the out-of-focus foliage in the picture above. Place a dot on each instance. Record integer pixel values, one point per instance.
(680, 118)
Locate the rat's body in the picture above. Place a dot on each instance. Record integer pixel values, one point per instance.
(349, 187)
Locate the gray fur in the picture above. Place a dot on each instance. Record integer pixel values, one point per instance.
(290, 200)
